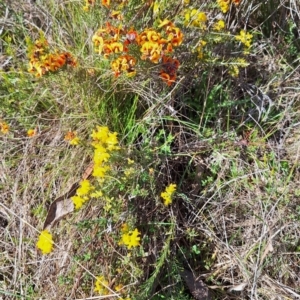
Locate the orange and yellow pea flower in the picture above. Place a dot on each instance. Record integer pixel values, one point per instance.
(72, 138)
(167, 78)
(106, 3)
(4, 127)
(169, 69)
(124, 63)
(31, 132)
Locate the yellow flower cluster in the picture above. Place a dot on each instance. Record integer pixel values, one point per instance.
(45, 242)
(124, 63)
(236, 64)
(102, 285)
(82, 193)
(129, 238)
(245, 38)
(196, 18)
(104, 143)
(154, 45)
(219, 25)
(168, 194)
(200, 47)
(225, 4)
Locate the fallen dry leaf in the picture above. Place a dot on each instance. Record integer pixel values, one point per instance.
(60, 207)
(63, 205)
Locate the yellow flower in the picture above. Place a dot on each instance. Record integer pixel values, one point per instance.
(71, 136)
(45, 242)
(236, 64)
(130, 239)
(168, 193)
(75, 141)
(112, 141)
(119, 287)
(128, 172)
(79, 201)
(234, 71)
(4, 127)
(219, 25)
(31, 132)
(101, 286)
(130, 161)
(101, 134)
(199, 49)
(244, 38)
(100, 171)
(195, 18)
(100, 154)
(224, 5)
(242, 62)
(85, 188)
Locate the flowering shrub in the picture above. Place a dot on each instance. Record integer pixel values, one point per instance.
(155, 45)
(130, 50)
(212, 34)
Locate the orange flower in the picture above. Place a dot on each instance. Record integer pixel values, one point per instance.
(72, 138)
(131, 35)
(4, 127)
(169, 69)
(167, 78)
(169, 48)
(170, 65)
(142, 38)
(236, 2)
(152, 51)
(31, 132)
(106, 3)
(175, 36)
